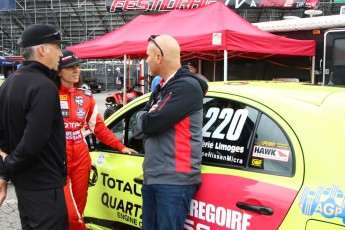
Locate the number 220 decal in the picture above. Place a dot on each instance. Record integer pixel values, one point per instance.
(226, 116)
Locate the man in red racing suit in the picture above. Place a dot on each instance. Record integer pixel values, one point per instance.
(79, 110)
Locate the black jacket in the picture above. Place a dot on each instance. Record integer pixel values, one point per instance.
(32, 129)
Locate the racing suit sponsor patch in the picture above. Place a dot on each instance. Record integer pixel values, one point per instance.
(87, 93)
(64, 104)
(79, 100)
(63, 97)
(65, 113)
(74, 135)
(80, 113)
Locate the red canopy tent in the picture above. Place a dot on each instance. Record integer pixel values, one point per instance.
(213, 32)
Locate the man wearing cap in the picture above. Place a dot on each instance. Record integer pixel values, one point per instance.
(32, 134)
(192, 66)
(81, 118)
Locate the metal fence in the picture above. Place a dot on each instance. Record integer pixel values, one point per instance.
(104, 72)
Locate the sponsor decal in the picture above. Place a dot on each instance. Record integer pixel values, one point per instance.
(169, 5)
(65, 113)
(271, 153)
(74, 135)
(64, 104)
(124, 209)
(220, 146)
(72, 125)
(257, 163)
(64, 59)
(79, 100)
(327, 201)
(87, 93)
(80, 113)
(222, 217)
(100, 159)
(218, 156)
(93, 177)
(215, 205)
(63, 97)
(272, 144)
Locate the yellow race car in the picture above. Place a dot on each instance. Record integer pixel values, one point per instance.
(272, 159)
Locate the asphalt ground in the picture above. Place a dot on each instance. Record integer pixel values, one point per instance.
(9, 215)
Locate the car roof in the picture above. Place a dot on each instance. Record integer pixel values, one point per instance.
(263, 90)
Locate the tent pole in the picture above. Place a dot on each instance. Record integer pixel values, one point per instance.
(124, 79)
(225, 65)
(214, 70)
(313, 70)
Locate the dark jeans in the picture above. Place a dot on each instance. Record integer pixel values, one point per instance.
(166, 206)
(42, 209)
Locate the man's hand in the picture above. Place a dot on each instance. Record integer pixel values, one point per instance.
(3, 190)
(3, 155)
(128, 150)
(154, 107)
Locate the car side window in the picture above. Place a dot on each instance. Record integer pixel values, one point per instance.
(240, 136)
(226, 132)
(122, 128)
(271, 150)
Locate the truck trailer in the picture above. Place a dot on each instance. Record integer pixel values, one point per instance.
(329, 35)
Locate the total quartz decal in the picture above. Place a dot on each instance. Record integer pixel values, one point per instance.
(111, 197)
(126, 210)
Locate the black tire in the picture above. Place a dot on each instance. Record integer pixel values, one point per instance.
(109, 111)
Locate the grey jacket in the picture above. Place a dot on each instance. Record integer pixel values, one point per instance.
(173, 132)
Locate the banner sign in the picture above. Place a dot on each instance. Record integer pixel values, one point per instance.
(7, 4)
(168, 5)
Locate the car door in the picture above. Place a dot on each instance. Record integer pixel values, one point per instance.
(114, 194)
(252, 167)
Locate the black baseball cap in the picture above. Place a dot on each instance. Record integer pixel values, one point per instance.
(68, 59)
(37, 34)
(192, 63)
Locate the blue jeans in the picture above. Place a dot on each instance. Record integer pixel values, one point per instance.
(165, 207)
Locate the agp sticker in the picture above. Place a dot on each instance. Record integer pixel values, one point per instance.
(329, 202)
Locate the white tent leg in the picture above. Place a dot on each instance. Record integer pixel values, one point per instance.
(124, 79)
(214, 70)
(313, 70)
(225, 65)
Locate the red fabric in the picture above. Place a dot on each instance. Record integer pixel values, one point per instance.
(79, 110)
(105, 135)
(182, 146)
(79, 165)
(194, 30)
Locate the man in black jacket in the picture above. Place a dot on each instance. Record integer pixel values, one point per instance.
(171, 124)
(32, 136)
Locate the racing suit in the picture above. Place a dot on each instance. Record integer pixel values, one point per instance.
(79, 110)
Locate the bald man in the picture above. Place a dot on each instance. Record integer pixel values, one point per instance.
(171, 124)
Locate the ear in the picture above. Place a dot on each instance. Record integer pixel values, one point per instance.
(41, 50)
(158, 57)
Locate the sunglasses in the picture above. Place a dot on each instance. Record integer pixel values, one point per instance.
(152, 39)
(51, 37)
